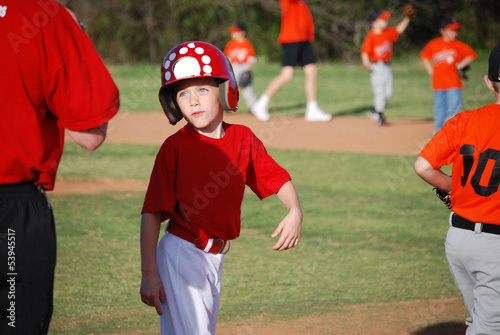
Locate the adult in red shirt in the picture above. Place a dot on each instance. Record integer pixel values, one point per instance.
(471, 142)
(443, 57)
(53, 81)
(296, 38)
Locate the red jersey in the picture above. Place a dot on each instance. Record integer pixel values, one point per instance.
(240, 51)
(52, 78)
(297, 23)
(444, 56)
(471, 142)
(199, 181)
(378, 47)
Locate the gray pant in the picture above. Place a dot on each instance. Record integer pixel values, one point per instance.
(474, 260)
(382, 86)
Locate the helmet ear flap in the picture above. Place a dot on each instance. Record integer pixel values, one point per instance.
(172, 111)
(225, 97)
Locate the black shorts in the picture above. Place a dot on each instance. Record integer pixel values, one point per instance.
(299, 53)
(27, 259)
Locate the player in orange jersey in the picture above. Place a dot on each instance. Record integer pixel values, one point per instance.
(376, 55)
(471, 142)
(241, 54)
(444, 57)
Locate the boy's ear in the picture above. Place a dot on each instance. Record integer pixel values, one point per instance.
(488, 82)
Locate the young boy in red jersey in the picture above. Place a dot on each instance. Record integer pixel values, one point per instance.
(241, 54)
(471, 142)
(197, 183)
(376, 55)
(443, 58)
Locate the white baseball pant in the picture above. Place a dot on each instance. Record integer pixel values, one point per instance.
(382, 85)
(473, 257)
(192, 282)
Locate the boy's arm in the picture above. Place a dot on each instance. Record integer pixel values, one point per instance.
(464, 62)
(291, 225)
(428, 67)
(152, 292)
(432, 176)
(401, 27)
(365, 59)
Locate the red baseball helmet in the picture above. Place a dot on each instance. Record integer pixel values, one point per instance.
(196, 60)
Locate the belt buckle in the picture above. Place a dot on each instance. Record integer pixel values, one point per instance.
(218, 244)
(213, 245)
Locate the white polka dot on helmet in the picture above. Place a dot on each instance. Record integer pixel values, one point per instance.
(196, 59)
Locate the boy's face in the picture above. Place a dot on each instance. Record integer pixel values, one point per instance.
(238, 35)
(448, 34)
(198, 100)
(379, 24)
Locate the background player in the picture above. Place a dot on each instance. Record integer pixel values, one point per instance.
(198, 182)
(444, 57)
(241, 54)
(296, 38)
(53, 81)
(376, 55)
(471, 142)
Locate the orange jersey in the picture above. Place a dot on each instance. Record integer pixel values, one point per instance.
(297, 23)
(471, 142)
(444, 56)
(378, 47)
(240, 51)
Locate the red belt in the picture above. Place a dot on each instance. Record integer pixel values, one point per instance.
(212, 245)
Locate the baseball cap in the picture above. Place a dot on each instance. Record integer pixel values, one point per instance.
(494, 64)
(379, 14)
(236, 27)
(450, 23)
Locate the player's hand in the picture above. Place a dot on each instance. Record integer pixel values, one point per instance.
(152, 292)
(289, 228)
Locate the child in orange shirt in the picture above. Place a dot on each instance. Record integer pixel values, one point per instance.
(241, 54)
(470, 143)
(376, 54)
(443, 57)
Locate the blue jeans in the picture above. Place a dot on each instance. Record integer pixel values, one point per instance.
(446, 105)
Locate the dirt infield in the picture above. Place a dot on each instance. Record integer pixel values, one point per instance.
(342, 134)
(399, 136)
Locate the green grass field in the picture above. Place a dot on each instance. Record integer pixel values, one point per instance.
(372, 230)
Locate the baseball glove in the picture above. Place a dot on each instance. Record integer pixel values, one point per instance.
(410, 10)
(444, 197)
(463, 72)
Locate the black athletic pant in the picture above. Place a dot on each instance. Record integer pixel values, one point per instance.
(27, 260)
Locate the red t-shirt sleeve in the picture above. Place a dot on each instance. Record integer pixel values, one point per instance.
(160, 196)
(265, 177)
(79, 89)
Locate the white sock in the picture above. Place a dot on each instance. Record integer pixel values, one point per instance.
(312, 105)
(264, 100)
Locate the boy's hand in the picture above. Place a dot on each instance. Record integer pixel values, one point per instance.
(152, 292)
(289, 228)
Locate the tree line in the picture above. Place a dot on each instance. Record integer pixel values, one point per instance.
(132, 31)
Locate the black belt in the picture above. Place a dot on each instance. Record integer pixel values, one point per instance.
(459, 222)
